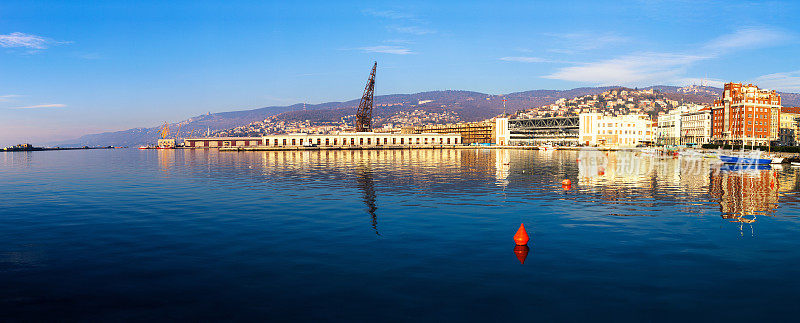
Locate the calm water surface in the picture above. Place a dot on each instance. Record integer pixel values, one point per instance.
(393, 235)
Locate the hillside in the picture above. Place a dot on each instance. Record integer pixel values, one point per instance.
(394, 109)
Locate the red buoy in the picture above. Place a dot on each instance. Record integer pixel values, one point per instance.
(521, 237)
(522, 253)
(566, 182)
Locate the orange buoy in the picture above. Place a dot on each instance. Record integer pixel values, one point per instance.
(566, 182)
(522, 253)
(521, 237)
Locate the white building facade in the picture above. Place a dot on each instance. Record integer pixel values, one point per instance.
(696, 126)
(352, 139)
(596, 129)
(669, 127)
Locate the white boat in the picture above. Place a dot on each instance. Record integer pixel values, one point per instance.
(777, 160)
(795, 164)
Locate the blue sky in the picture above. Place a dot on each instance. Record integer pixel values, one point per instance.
(69, 68)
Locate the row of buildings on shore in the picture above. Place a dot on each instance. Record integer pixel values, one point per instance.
(743, 114)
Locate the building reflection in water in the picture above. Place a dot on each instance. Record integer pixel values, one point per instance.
(641, 184)
(743, 194)
(502, 160)
(367, 186)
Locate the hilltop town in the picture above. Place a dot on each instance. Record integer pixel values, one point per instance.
(620, 101)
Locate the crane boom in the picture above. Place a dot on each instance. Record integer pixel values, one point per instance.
(364, 112)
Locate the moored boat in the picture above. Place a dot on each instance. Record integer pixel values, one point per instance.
(744, 160)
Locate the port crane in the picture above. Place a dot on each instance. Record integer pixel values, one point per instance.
(364, 112)
(164, 130)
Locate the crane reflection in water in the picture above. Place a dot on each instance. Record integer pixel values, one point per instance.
(367, 186)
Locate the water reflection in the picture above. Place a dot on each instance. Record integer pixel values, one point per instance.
(522, 253)
(745, 193)
(366, 185)
(628, 183)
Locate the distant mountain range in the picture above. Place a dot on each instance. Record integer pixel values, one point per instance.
(470, 106)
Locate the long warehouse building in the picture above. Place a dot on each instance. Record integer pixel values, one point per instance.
(351, 139)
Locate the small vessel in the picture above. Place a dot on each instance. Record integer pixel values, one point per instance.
(795, 164)
(732, 159)
(547, 147)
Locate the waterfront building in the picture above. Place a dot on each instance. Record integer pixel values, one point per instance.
(471, 132)
(625, 130)
(669, 127)
(560, 130)
(501, 134)
(789, 130)
(696, 125)
(166, 143)
(746, 114)
(342, 139)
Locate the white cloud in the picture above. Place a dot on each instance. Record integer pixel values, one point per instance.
(414, 30)
(8, 97)
(398, 41)
(391, 14)
(56, 105)
(665, 67)
(21, 40)
(578, 42)
(524, 59)
(785, 82)
(628, 70)
(397, 50)
(750, 37)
